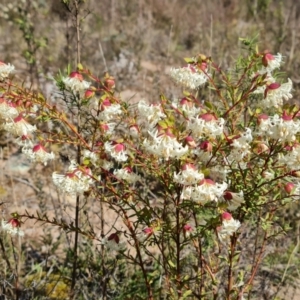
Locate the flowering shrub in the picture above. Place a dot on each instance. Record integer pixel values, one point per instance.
(189, 177)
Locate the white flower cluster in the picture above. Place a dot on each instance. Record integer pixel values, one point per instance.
(19, 126)
(75, 84)
(292, 159)
(149, 113)
(241, 146)
(274, 97)
(228, 228)
(202, 128)
(117, 151)
(75, 181)
(8, 110)
(110, 112)
(205, 192)
(273, 62)
(11, 229)
(5, 70)
(38, 154)
(188, 77)
(275, 127)
(164, 146)
(126, 174)
(189, 176)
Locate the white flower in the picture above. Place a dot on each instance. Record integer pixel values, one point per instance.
(241, 146)
(206, 191)
(75, 82)
(234, 199)
(7, 110)
(188, 176)
(92, 156)
(228, 228)
(275, 93)
(38, 154)
(188, 108)
(150, 113)
(112, 243)
(19, 126)
(271, 62)
(292, 159)
(206, 125)
(110, 111)
(188, 77)
(126, 174)
(5, 70)
(116, 150)
(164, 146)
(279, 128)
(12, 227)
(75, 181)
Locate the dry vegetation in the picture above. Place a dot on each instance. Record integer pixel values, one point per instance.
(136, 42)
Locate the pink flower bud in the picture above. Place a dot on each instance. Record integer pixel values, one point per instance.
(14, 222)
(119, 147)
(114, 237)
(187, 102)
(190, 141)
(38, 147)
(289, 187)
(226, 216)
(208, 117)
(206, 146)
(189, 166)
(286, 117)
(295, 174)
(76, 75)
(261, 118)
(110, 83)
(148, 231)
(227, 195)
(89, 94)
(207, 182)
(104, 127)
(266, 58)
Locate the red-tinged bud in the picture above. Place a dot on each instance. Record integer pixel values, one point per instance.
(190, 141)
(208, 117)
(266, 58)
(119, 147)
(134, 130)
(188, 166)
(28, 104)
(89, 94)
(38, 147)
(186, 101)
(104, 127)
(192, 68)
(106, 103)
(110, 83)
(289, 187)
(226, 216)
(271, 87)
(19, 118)
(169, 132)
(203, 66)
(14, 222)
(295, 174)
(187, 229)
(286, 117)
(206, 146)
(76, 75)
(262, 117)
(260, 148)
(227, 195)
(207, 182)
(114, 237)
(148, 231)
(128, 169)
